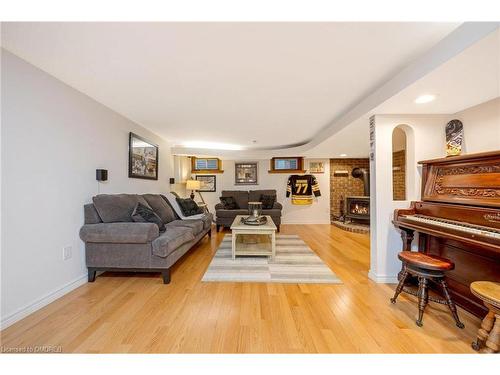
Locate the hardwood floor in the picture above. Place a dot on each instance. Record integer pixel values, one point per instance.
(137, 313)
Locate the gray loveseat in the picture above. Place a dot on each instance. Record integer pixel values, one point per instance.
(224, 218)
(113, 242)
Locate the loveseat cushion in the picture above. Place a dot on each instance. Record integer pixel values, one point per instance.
(229, 203)
(240, 196)
(119, 232)
(196, 226)
(171, 240)
(254, 195)
(267, 201)
(231, 213)
(160, 207)
(113, 208)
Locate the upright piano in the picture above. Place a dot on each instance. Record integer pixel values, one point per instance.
(458, 218)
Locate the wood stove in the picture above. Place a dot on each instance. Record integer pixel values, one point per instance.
(357, 208)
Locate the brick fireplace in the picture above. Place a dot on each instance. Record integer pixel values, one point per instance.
(344, 185)
(347, 195)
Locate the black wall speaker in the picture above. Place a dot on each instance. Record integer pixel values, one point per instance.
(101, 174)
(172, 180)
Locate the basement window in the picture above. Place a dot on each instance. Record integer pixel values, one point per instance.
(209, 165)
(287, 165)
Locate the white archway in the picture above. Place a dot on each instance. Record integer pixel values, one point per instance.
(403, 139)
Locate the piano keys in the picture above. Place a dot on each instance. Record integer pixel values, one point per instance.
(459, 218)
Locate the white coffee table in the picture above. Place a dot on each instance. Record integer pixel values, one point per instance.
(255, 240)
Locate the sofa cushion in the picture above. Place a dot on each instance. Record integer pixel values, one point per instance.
(240, 196)
(196, 226)
(267, 201)
(113, 208)
(254, 195)
(231, 213)
(229, 203)
(160, 207)
(119, 232)
(171, 240)
(188, 206)
(207, 220)
(143, 214)
(90, 214)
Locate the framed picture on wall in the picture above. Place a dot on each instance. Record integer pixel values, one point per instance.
(245, 173)
(142, 158)
(316, 167)
(207, 183)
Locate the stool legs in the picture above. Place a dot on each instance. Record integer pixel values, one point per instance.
(493, 342)
(423, 298)
(482, 334)
(451, 304)
(400, 286)
(424, 276)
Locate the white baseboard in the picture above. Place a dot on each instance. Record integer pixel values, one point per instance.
(42, 302)
(383, 279)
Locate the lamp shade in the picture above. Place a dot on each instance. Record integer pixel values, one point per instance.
(193, 185)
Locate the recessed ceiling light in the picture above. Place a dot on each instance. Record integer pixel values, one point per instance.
(425, 98)
(343, 155)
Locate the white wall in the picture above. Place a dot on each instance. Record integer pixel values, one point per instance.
(54, 138)
(398, 140)
(427, 133)
(317, 213)
(426, 140)
(481, 127)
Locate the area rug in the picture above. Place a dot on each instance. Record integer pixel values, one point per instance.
(294, 262)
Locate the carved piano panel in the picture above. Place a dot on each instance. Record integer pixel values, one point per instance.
(471, 181)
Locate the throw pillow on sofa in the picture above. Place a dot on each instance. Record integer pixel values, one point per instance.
(160, 207)
(144, 214)
(189, 206)
(267, 201)
(229, 203)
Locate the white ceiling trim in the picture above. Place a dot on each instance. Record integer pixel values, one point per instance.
(457, 41)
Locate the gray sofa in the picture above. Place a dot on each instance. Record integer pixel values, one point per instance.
(224, 218)
(113, 242)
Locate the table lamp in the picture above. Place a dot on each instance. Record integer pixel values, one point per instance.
(193, 185)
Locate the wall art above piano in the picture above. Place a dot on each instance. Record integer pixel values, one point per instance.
(454, 137)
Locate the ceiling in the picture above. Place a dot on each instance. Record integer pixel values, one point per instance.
(277, 84)
(470, 78)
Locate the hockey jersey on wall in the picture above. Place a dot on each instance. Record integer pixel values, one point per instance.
(302, 188)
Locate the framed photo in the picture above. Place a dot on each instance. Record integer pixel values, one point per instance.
(316, 167)
(245, 173)
(142, 158)
(207, 183)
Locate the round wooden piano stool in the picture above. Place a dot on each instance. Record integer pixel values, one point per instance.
(426, 268)
(489, 333)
